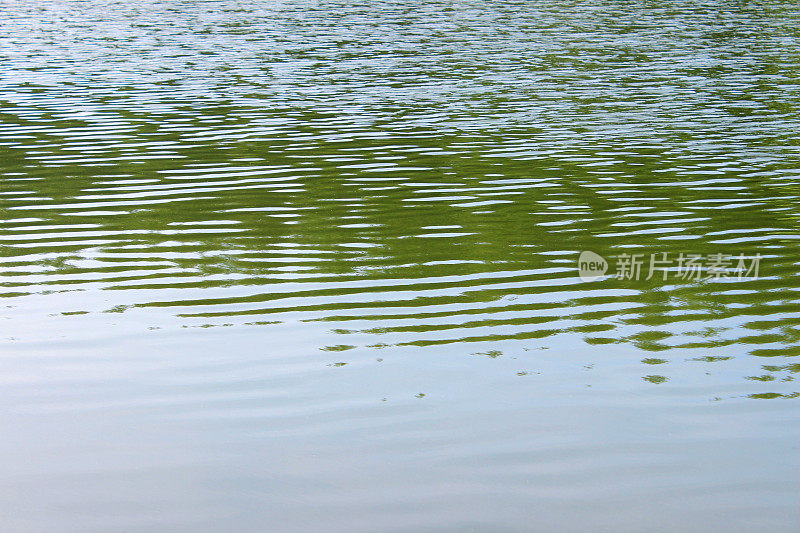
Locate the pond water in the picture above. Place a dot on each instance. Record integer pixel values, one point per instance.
(313, 266)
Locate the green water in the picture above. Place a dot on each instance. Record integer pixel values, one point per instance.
(313, 266)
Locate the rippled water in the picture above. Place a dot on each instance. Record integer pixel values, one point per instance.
(312, 266)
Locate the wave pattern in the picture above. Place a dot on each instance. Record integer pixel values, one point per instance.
(292, 163)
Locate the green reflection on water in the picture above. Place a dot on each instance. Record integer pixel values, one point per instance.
(442, 201)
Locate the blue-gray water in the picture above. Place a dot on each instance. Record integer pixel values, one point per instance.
(312, 266)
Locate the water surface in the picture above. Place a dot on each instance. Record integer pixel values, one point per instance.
(312, 266)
